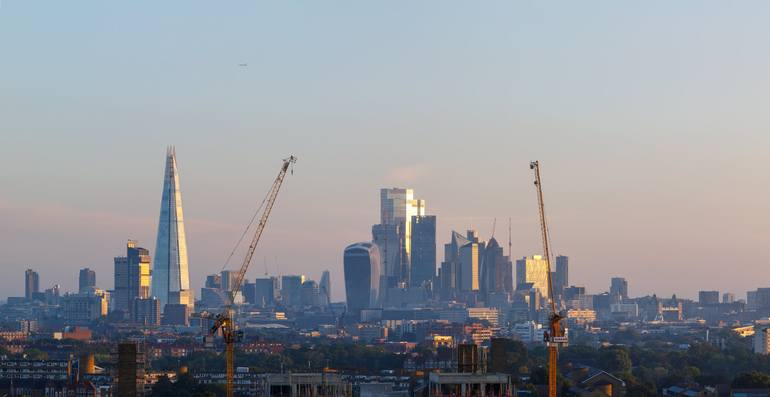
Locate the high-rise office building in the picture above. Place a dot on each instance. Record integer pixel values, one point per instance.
(290, 290)
(325, 289)
(309, 294)
(449, 273)
(394, 233)
(532, 272)
(213, 281)
(265, 292)
(226, 280)
(708, 297)
(31, 283)
(86, 280)
(561, 275)
(362, 277)
(423, 250)
(388, 239)
(147, 311)
(496, 271)
(469, 267)
(728, 297)
(619, 286)
(132, 277)
(171, 277)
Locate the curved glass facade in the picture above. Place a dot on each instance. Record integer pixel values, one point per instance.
(362, 277)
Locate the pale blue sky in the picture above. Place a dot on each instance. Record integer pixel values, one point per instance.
(650, 120)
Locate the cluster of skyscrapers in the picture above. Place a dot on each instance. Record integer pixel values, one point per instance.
(397, 268)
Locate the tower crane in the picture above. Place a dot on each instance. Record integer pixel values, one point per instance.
(555, 336)
(224, 322)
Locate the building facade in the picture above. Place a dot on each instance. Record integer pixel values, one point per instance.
(31, 283)
(362, 277)
(394, 233)
(533, 270)
(171, 278)
(423, 250)
(291, 286)
(132, 277)
(86, 280)
(619, 286)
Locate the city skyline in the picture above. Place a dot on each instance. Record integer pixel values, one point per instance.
(653, 155)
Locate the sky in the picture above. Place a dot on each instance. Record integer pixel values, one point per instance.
(649, 119)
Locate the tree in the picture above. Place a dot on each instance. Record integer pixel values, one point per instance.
(615, 359)
(751, 380)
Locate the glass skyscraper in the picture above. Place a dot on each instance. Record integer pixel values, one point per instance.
(362, 277)
(132, 277)
(170, 273)
(533, 270)
(394, 233)
(423, 250)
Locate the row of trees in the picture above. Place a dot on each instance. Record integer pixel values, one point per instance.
(348, 357)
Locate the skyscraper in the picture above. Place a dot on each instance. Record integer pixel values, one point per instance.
(561, 275)
(469, 266)
(423, 250)
(619, 286)
(394, 233)
(309, 294)
(265, 291)
(31, 283)
(170, 277)
(226, 280)
(449, 274)
(532, 270)
(86, 280)
(362, 277)
(132, 277)
(496, 270)
(290, 290)
(325, 289)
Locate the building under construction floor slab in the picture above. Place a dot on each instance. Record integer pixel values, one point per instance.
(469, 384)
(306, 385)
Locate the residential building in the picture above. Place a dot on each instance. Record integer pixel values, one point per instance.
(130, 371)
(86, 280)
(31, 284)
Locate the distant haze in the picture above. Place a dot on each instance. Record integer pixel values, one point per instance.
(650, 121)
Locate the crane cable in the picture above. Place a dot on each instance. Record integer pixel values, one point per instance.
(246, 231)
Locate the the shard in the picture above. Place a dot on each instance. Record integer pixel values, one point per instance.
(170, 272)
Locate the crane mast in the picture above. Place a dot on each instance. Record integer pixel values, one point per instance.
(224, 321)
(555, 335)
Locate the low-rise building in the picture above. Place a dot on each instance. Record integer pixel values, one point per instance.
(468, 384)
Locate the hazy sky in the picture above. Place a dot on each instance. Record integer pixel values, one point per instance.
(650, 120)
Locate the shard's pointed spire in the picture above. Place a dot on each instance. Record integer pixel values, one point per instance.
(170, 275)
